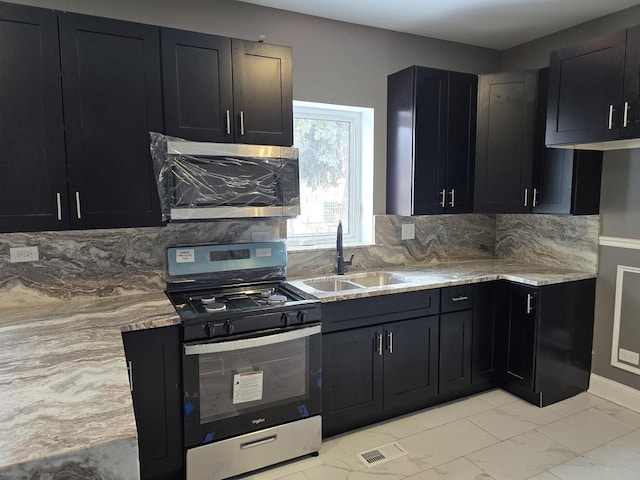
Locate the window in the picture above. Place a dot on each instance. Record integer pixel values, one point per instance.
(336, 173)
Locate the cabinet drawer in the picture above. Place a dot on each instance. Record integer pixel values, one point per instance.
(456, 298)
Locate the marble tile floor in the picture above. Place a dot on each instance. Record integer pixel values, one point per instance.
(490, 436)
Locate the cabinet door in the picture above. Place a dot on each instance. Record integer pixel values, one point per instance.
(33, 190)
(352, 378)
(410, 362)
(631, 98)
(585, 91)
(461, 142)
(429, 160)
(112, 99)
(263, 93)
(154, 361)
(504, 153)
(484, 349)
(198, 95)
(455, 352)
(521, 337)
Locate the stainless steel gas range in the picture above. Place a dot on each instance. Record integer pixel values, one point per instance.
(252, 366)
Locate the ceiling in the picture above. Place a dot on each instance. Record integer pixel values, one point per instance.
(497, 24)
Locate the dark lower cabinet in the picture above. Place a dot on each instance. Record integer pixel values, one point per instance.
(410, 362)
(548, 338)
(456, 325)
(351, 379)
(455, 351)
(379, 358)
(153, 357)
(486, 338)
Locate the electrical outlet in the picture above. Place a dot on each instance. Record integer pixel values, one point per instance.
(23, 254)
(408, 231)
(628, 356)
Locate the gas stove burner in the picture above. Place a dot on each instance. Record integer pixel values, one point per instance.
(207, 300)
(214, 307)
(267, 293)
(276, 299)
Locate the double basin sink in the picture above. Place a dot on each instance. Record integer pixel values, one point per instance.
(355, 281)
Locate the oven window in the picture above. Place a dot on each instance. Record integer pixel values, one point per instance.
(234, 382)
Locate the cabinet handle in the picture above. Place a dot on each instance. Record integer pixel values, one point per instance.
(625, 120)
(453, 197)
(611, 110)
(379, 339)
(390, 341)
(535, 197)
(529, 307)
(228, 122)
(130, 373)
(59, 205)
(78, 212)
(526, 197)
(461, 298)
(242, 123)
(443, 199)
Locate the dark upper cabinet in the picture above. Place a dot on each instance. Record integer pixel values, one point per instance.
(431, 128)
(548, 339)
(218, 89)
(564, 180)
(112, 99)
(33, 189)
(153, 358)
(262, 93)
(594, 90)
(505, 142)
(197, 86)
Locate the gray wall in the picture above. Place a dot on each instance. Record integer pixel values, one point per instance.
(620, 197)
(334, 62)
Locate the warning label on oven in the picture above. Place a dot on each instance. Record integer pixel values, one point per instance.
(185, 255)
(247, 387)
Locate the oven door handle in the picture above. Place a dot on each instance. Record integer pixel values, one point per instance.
(227, 346)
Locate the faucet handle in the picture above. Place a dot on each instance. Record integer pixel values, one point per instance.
(350, 261)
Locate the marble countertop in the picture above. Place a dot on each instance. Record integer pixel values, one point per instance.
(64, 386)
(420, 277)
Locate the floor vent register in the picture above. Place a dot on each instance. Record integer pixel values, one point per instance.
(382, 454)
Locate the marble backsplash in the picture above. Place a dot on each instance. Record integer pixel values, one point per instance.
(107, 262)
(563, 241)
(121, 261)
(438, 238)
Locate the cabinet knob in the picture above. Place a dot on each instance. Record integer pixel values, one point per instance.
(242, 123)
(453, 197)
(443, 193)
(526, 197)
(59, 205)
(529, 303)
(535, 197)
(625, 115)
(390, 341)
(228, 122)
(78, 211)
(379, 340)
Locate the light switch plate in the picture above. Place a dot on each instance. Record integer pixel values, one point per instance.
(23, 254)
(408, 231)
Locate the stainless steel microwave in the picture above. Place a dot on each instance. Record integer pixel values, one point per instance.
(218, 180)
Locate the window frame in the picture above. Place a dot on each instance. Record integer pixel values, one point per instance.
(360, 120)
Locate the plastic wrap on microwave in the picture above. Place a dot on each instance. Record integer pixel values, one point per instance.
(200, 180)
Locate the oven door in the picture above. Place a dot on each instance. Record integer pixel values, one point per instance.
(236, 386)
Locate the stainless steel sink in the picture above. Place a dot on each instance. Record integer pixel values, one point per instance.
(335, 285)
(355, 281)
(376, 279)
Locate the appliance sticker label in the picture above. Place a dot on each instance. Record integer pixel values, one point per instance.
(186, 255)
(263, 252)
(247, 387)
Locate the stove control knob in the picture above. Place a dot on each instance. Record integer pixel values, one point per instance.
(285, 319)
(229, 327)
(301, 316)
(209, 329)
